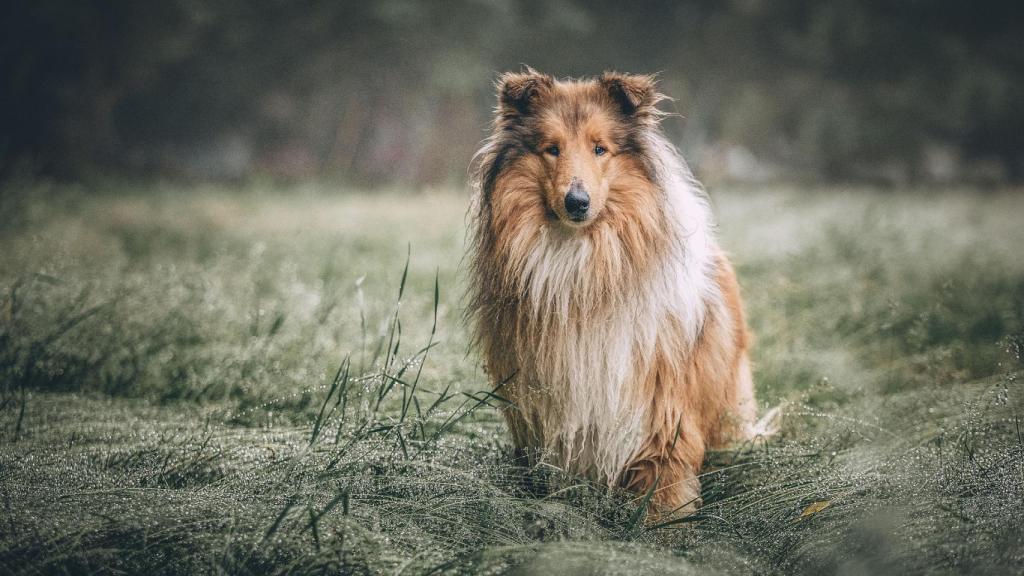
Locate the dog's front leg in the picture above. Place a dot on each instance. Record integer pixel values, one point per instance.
(668, 464)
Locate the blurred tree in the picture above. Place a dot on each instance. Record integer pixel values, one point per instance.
(400, 91)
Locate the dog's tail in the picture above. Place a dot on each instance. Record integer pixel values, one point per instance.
(767, 425)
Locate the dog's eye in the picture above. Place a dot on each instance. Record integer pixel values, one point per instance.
(599, 150)
(553, 150)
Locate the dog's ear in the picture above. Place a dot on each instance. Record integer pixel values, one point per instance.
(635, 94)
(518, 92)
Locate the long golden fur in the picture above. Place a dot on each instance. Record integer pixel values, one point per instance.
(617, 334)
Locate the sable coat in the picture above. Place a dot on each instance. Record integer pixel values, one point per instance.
(619, 338)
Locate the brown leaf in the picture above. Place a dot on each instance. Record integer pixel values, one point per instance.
(813, 508)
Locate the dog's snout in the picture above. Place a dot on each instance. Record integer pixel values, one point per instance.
(577, 202)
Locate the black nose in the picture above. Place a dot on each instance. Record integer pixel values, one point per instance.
(577, 202)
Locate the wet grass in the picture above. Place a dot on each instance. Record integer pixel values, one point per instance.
(277, 381)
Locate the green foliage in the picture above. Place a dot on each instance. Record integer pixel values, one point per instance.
(401, 91)
(268, 381)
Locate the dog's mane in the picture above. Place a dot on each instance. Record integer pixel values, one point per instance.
(588, 307)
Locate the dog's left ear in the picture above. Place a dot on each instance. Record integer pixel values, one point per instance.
(635, 94)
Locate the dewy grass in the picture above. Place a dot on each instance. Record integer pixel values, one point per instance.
(206, 380)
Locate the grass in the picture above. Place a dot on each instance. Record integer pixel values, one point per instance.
(265, 380)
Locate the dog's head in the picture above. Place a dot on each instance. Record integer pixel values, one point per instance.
(572, 143)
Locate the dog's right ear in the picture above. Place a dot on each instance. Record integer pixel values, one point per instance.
(518, 92)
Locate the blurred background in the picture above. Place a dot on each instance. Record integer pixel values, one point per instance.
(232, 286)
(399, 92)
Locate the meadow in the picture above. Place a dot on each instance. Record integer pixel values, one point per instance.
(277, 379)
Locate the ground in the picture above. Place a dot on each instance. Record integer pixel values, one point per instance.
(265, 379)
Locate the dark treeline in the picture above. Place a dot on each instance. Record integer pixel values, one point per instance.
(399, 91)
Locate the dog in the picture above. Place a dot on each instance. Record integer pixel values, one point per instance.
(605, 311)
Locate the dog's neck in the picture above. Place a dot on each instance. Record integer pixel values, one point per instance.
(574, 276)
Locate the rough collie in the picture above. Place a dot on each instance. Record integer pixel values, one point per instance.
(605, 311)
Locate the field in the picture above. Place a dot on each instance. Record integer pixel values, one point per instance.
(277, 380)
